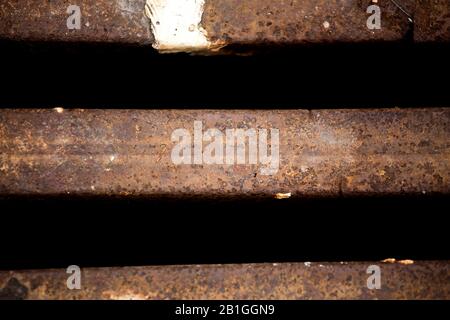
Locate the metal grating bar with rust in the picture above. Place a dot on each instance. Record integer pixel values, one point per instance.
(101, 21)
(225, 22)
(422, 280)
(168, 153)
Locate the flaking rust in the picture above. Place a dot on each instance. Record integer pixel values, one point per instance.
(422, 280)
(136, 153)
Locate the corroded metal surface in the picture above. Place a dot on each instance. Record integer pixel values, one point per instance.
(128, 153)
(234, 22)
(290, 22)
(399, 280)
(432, 21)
(120, 21)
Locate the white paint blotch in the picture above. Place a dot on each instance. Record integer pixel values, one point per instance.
(176, 25)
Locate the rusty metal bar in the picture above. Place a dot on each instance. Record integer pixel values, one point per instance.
(424, 280)
(118, 21)
(134, 153)
(290, 22)
(232, 22)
